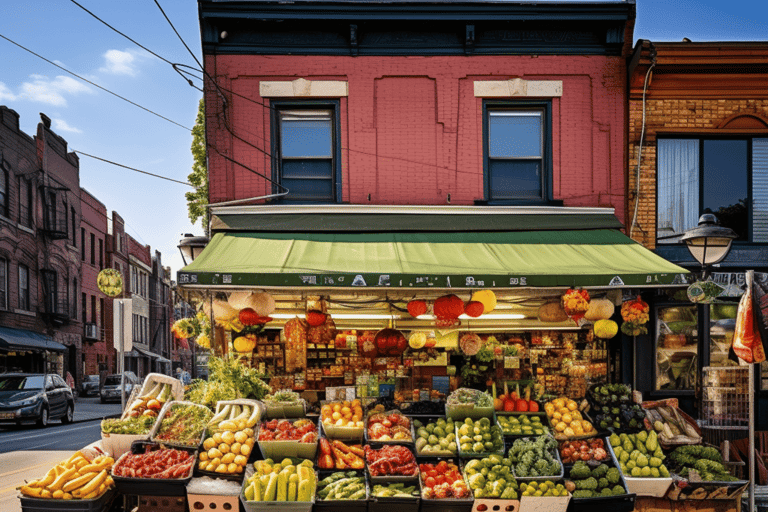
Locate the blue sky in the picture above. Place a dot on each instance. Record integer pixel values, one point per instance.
(95, 122)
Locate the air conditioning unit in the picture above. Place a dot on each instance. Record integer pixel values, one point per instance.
(92, 331)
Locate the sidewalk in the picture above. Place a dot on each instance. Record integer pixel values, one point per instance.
(87, 409)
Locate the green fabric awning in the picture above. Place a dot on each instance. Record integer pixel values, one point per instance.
(514, 259)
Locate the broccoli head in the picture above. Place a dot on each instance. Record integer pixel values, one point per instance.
(606, 492)
(600, 471)
(522, 470)
(613, 475)
(602, 483)
(541, 466)
(583, 493)
(554, 468)
(617, 489)
(589, 484)
(580, 470)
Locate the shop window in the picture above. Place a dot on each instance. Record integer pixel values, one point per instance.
(24, 288)
(722, 324)
(516, 152)
(307, 151)
(3, 283)
(720, 176)
(677, 347)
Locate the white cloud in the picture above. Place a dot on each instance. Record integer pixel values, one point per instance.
(6, 94)
(119, 63)
(60, 125)
(44, 90)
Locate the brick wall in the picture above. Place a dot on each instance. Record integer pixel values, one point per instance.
(412, 127)
(671, 116)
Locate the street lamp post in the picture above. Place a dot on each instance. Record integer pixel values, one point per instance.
(709, 242)
(191, 246)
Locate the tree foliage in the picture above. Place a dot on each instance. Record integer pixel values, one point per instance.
(198, 199)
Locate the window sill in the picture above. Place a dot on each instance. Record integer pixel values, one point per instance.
(518, 202)
(25, 228)
(24, 312)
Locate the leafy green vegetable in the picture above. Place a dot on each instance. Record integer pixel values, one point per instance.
(228, 379)
(134, 426)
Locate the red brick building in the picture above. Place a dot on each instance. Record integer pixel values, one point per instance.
(408, 103)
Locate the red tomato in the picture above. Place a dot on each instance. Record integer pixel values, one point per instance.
(429, 482)
(440, 478)
(432, 473)
(442, 466)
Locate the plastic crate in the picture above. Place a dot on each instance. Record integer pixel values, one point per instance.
(278, 450)
(99, 504)
(211, 502)
(277, 410)
(476, 455)
(153, 486)
(618, 503)
(653, 487)
(162, 504)
(368, 440)
(347, 505)
(240, 401)
(392, 478)
(273, 506)
(177, 389)
(461, 412)
(165, 411)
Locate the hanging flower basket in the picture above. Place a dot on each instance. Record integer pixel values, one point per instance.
(575, 303)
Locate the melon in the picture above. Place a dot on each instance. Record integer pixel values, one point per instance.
(488, 299)
(417, 340)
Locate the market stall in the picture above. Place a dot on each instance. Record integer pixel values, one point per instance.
(426, 358)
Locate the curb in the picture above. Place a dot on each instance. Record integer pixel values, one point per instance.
(97, 418)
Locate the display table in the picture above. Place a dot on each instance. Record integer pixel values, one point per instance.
(646, 504)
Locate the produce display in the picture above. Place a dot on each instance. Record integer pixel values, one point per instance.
(542, 488)
(533, 458)
(391, 460)
(479, 437)
(671, 427)
(337, 455)
(515, 402)
(639, 455)
(468, 396)
(75, 478)
(342, 414)
(301, 430)
(585, 482)
(150, 403)
(566, 420)
(281, 481)
(522, 425)
(226, 452)
(697, 462)
(389, 426)
(155, 462)
(133, 425)
(442, 480)
(614, 409)
(436, 437)
(342, 486)
(183, 424)
(583, 450)
(395, 490)
(491, 477)
(282, 401)
(235, 417)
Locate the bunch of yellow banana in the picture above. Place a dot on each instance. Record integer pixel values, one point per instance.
(74, 478)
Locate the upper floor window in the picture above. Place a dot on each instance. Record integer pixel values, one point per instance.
(3, 283)
(74, 298)
(24, 288)
(517, 148)
(82, 244)
(307, 151)
(101, 253)
(74, 228)
(25, 202)
(724, 176)
(93, 249)
(3, 189)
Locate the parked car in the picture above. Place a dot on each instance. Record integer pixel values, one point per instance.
(90, 385)
(35, 397)
(110, 391)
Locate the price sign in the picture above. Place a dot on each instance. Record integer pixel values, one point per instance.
(511, 362)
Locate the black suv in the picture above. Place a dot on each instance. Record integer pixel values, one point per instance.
(35, 397)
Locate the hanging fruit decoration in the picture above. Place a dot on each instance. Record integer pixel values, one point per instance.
(474, 308)
(315, 318)
(605, 329)
(599, 309)
(263, 303)
(417, 308)
(487, 298)
(366, 344)
(470, 344)
(417, 340)
(447, 310)
(245, 343)
(635, 315)
(390, 342)
(575, 303)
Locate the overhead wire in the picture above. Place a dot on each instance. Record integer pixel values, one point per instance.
(132, 168)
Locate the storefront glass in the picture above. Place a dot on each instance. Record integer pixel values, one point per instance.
(677, 349)
(722, 322)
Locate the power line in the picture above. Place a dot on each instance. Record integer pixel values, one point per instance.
(94, 84)
(132, 168)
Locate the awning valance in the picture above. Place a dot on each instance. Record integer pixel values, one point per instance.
(158, 357)
(22, 339)
(490, 259)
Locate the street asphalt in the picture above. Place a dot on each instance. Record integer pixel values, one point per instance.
(90, 408)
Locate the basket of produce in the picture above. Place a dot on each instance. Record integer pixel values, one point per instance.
(281, 485)
(516, 424)
(389, 427)
(288, 438)
(285, 403)
(156, 391)
(592, 451)
(673, 426)
(436, 438)
(567, 421)
(181, 424)
(230, 439)
(74, 484)
(642, 463)
(699, 463)
(469, 403)
(153, 470)
(543, 495)
(335, 454)
(207, 493)
(118, 434)
(343, 420)
(534, 458)
(443, 487)
(347, 489)
(400, 496)
(391, 462)
(491, 478)
(613, 408)
(479, 438)
(601, 487)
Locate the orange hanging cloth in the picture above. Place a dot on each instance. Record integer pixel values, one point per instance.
(746, 342)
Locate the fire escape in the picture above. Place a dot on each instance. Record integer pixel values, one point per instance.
(56, 310)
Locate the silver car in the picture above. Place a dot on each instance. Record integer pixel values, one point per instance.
(110, 391)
